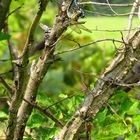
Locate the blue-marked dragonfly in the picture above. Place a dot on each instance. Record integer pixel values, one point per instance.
(74, 12)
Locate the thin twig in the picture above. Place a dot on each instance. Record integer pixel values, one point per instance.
(12, 48)
(70, 96)
(13, 52)
(88, 44)
(107, 104)
(110, 15)
(13, 131)
(111, 8)
(86, 73)
(15, 10)
(30, 38)
(4, 60)
(105, 4)
(127, 85)
(6, 85)
(109, 30)
(46, 112)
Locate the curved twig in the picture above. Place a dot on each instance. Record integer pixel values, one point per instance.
(105, 4)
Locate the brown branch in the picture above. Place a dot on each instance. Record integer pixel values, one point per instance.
(88, 44)
(15, 10)
(105, 4)
(21, 75)
(13, 52)
(128, 85)
(30, 38)
(113, 30)
(41, 67)
(111, 8)
(117, 71)
(46, 112)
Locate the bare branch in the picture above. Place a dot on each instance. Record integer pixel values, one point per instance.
(62, 21)
(21, 75)
(105, 4)
(15, 10)
(109, 15)
(46, 112)
(128, 85)
(88, 44)
(111, 8)
(30, 38)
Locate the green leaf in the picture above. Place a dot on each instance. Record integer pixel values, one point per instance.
(36, 120)
(134, 110)
(126, 106)
(63, 95)
(116, 128)
(136, 121)
(4, 36)
(3, 115)
(102, 115)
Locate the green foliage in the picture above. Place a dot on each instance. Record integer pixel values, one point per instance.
(3, 115)
(119, 119)
(4, 36)
(41, 127)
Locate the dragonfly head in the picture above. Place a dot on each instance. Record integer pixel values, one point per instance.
(82, 15)
(75, 11)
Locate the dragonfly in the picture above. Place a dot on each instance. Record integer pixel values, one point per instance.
(74, 7)
(74, 13)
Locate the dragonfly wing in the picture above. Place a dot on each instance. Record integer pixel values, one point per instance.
(84, 28)
(76, 29)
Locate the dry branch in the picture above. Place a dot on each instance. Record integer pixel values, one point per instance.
(78, 46)
(118, 71)
(47, 112)
(21, 75)
(40, 68)
(105, 4)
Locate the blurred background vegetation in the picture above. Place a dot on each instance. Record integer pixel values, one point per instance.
(65, 82)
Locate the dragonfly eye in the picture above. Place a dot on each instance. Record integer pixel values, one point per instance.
(75, 8)
(82, 15)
